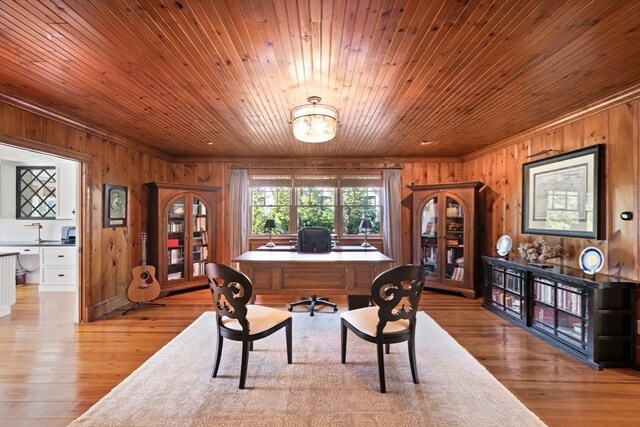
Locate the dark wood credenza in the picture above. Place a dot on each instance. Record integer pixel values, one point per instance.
(591, 317)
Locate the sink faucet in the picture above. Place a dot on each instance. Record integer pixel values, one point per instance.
(38, 226)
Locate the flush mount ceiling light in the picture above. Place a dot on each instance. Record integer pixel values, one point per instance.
(314, 122)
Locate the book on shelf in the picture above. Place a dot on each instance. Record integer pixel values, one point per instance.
(174, 276)
(200, 224)
(198, 268)
(544, 314)
(176, 256)
(174, 227)
(458, 274)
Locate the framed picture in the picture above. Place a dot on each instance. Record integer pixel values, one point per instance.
(115, 206)
(561, 195)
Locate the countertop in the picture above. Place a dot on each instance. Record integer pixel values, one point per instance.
(34, 243)
(2, 254)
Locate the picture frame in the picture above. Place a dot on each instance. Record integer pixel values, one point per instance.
(562, 195)
(115, 206)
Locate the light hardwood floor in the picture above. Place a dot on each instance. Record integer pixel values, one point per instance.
(51, 370)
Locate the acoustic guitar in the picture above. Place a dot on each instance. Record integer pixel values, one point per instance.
(144, 286)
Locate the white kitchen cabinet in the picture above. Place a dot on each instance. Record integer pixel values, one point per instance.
(7, 189)
(66, 192)
(58, 268)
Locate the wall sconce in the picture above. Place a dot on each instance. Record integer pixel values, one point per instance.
(365, 225)
(270, 224)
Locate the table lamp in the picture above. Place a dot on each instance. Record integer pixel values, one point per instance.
(270, 224)
(365, 225)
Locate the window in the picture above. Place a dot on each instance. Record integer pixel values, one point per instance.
(35, 192)
(270, 199)
(359, 203)
(337, 202)
(316, 207)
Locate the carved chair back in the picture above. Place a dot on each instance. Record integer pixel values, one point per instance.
(231, 291)
(397, 293)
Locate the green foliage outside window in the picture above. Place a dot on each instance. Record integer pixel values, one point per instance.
(270, 203)
(315, 206)
(359, 203)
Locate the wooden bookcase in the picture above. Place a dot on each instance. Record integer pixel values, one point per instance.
(181, 233)
(444, 235)
(591, 317)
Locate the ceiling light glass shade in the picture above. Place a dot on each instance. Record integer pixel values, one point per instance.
(314, 122)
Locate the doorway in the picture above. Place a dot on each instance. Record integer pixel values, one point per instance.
(42, 234)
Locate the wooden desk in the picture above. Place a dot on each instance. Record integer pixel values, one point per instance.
(333, 273)
(292, 248)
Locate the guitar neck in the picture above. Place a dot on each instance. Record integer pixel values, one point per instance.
(143, 244)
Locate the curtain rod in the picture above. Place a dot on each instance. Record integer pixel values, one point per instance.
(316, 167)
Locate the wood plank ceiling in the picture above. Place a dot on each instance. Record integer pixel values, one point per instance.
(219, 78)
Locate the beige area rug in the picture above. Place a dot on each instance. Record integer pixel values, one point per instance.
(174, 387)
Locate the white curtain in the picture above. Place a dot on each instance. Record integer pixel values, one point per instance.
(391, 205)
(239, 199)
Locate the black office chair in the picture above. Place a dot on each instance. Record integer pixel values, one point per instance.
(314, 240)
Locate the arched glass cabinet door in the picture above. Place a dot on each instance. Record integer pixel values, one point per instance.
(429, 237)
(454, 240)
(199, 237)
(176, 240)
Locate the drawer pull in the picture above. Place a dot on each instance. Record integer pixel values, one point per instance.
(27, 250)
(60, 256)
(60, 275)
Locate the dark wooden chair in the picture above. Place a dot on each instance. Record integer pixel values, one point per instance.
(238, 320)
(314, 240)
(395, 294)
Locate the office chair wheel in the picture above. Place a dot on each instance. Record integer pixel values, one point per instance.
(290, 308)
(335, 309)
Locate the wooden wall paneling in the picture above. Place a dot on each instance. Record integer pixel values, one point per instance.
(596, 132)
(217, 174)
(622, 158)
(512, 190)
(450, 171)
(189, 173)
(407, 176)
(174, 172)
(494, 196)
(203, 174)
(58, 132)
(33, 127)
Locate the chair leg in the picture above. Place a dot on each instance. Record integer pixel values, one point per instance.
(289, 340)
(343, 346)
(383, 388)
(218, 356)
(244, 363)
(412, 361)
(387, 348)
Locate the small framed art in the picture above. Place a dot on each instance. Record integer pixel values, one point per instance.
(115, 206)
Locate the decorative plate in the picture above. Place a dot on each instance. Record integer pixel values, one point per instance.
(591, 260)
(504, 245)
